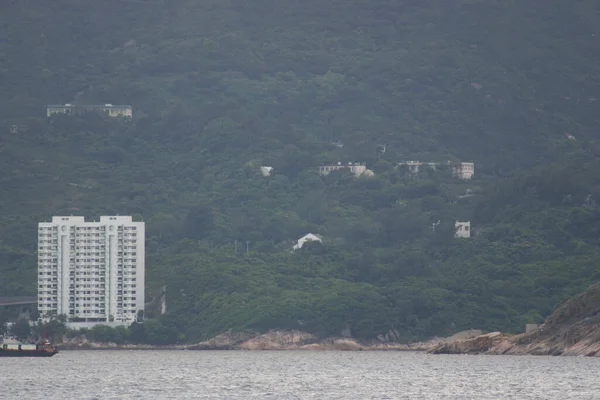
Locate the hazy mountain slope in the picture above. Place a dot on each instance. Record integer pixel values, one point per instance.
(220, 88)
(418, 76)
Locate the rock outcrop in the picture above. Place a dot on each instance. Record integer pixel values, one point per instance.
(276, 340)
(287, 340)
(225, 341)
(298, 340)
(572, 330)
(82, 343)
(476, 345)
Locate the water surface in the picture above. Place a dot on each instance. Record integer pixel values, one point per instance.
(296, 375)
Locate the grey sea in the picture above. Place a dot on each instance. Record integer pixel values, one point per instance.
(296, 375)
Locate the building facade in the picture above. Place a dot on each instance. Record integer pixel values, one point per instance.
(92, 272)
(266, 171)
(461, 170)
(414, 166)
(464, 170)
(108, 109)
(356, 168)
(462, 229)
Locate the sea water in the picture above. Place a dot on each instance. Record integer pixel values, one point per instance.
(296, 375)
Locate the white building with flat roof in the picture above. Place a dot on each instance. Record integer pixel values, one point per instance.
(464, 170)
(356, 168)
(414, 166)
(92, 272)
(109, 109)
(462, 229)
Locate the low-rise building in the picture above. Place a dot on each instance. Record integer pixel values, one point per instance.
(463, 170)
(109, 109)
(414, 166)
(266, 171)
(462, 229)
(356, 168)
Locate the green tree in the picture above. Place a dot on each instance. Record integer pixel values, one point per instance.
(21, 328)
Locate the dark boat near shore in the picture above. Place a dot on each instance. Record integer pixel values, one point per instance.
(13, 348)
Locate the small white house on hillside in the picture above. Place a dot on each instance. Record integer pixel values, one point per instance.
(306, 238)
(463, 229)
(266, 171)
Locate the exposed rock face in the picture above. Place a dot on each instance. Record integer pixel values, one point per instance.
(477, 345)
(298, 340)
(391, 336)
(82, 343)
(469, 334)
(287, 340)
(346, 344)
(276, 340)
(572, 330)
(224, 341)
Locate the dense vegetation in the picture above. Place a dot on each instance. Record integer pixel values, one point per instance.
(220, 89)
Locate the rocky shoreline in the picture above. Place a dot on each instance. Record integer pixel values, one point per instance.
(572, 330)
(274, 340)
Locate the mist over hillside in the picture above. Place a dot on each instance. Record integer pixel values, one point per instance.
(219, 89)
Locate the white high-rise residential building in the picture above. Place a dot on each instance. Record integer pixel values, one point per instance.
(92, 272)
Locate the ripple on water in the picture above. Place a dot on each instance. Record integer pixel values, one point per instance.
(295, 375)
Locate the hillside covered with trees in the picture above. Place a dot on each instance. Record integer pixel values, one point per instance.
(220, 89)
